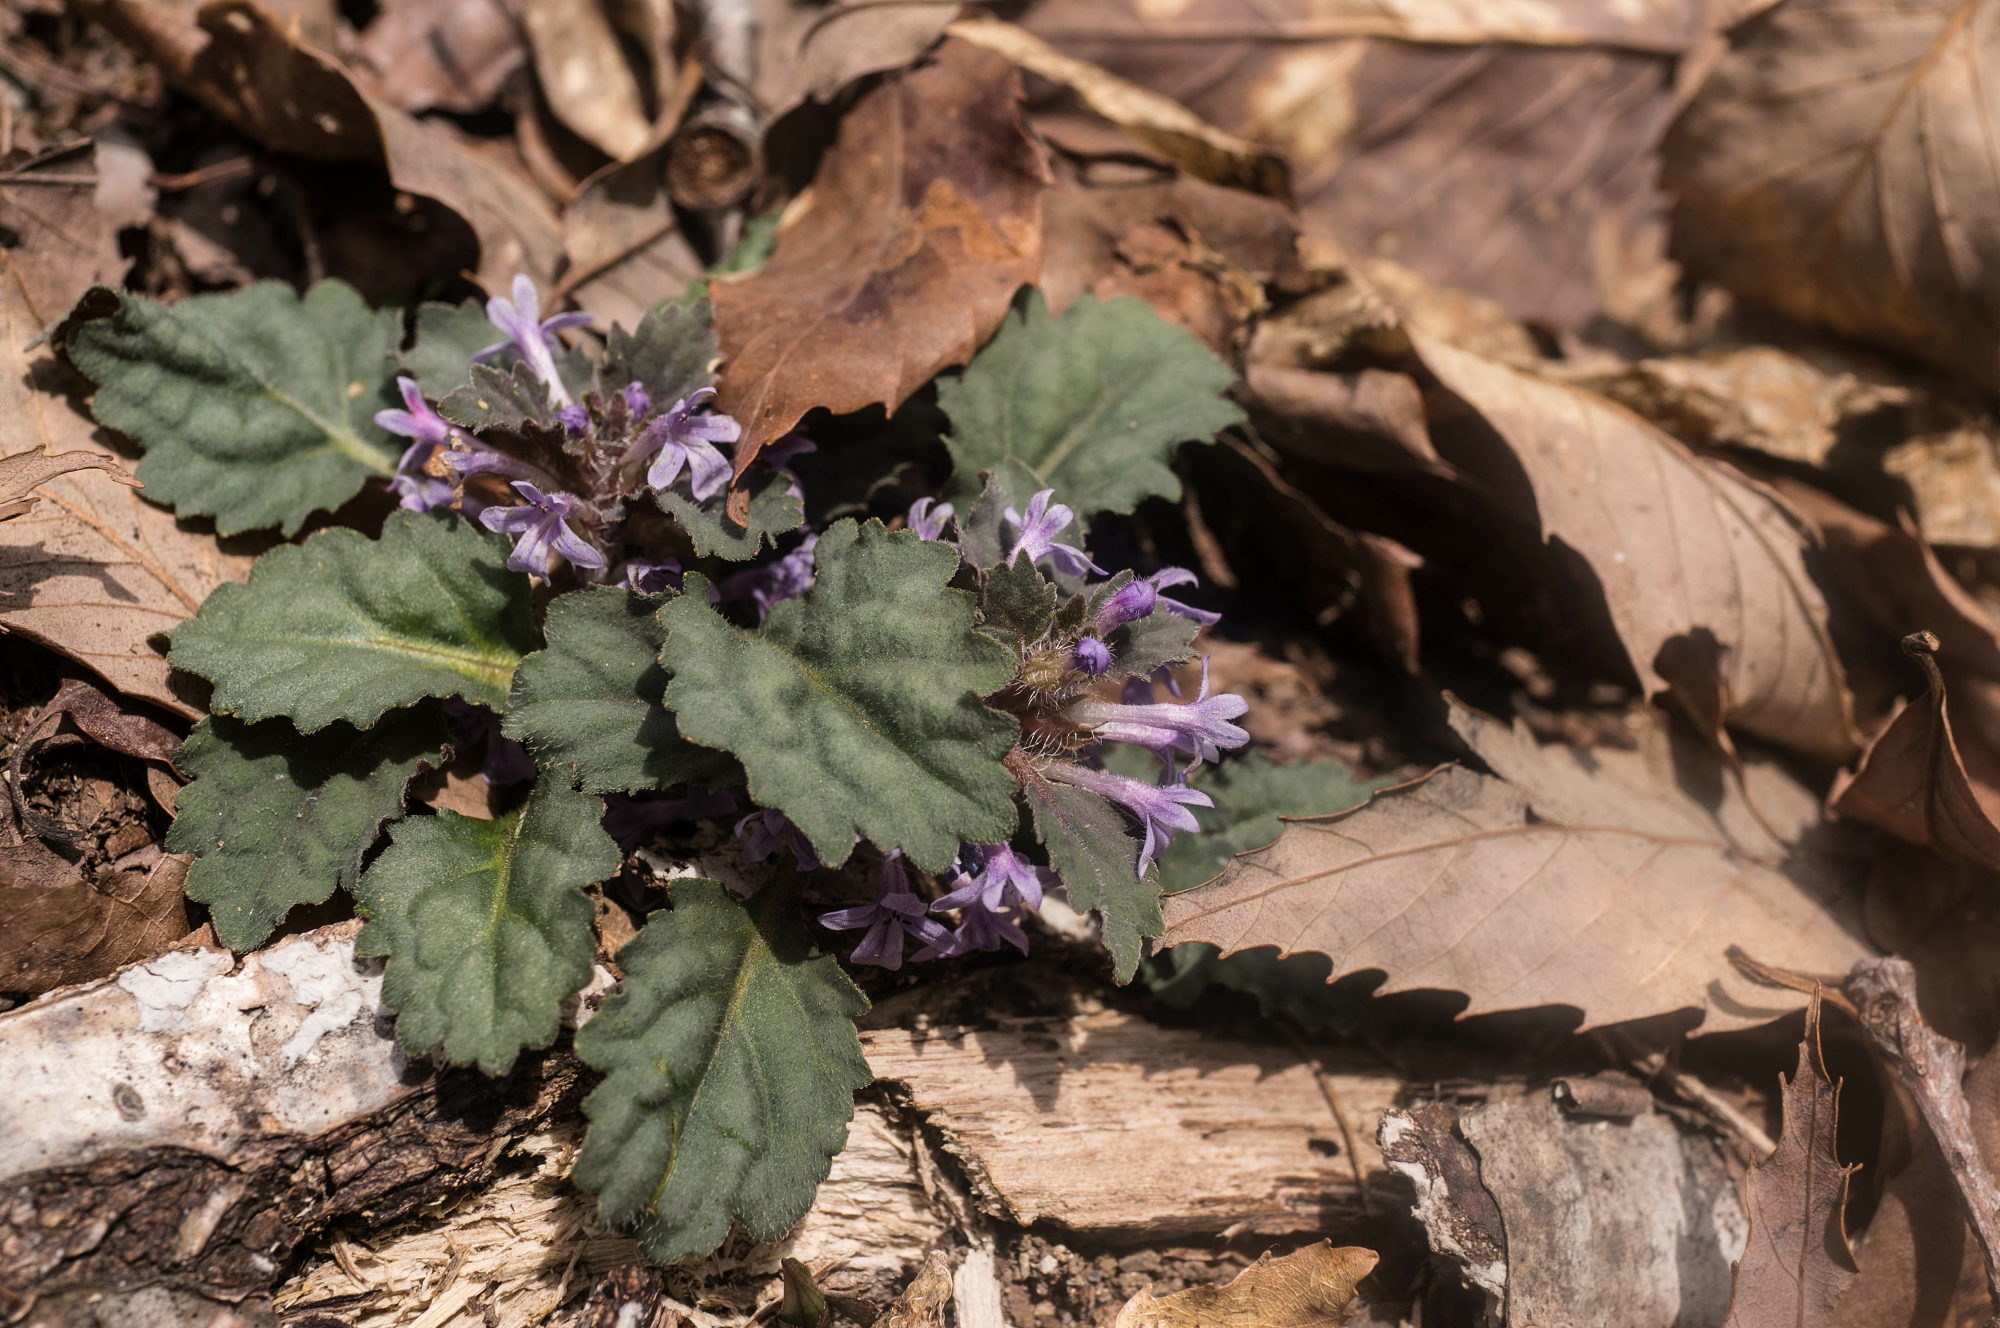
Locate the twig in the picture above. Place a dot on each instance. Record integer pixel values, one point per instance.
(1326, 1091)
(1884, 992)
(1691, 1089)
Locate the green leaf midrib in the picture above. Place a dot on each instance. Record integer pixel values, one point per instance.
(340, 436)
(1075, 436)
(496, 667)
(754, 956)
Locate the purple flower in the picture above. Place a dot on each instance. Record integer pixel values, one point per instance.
(771, 585)
(1137, 600)
(1180, 576)
(1160, 809)
(1092, 656)
(469, 456)
(896, 913)
(1199, 727)
(765, 831)
(419, 490)
(574, 419)
(684, 438)
(529, 335)
(979, 928)
(418, 421)
(637, 399)
(928, 519)
(541, 532)
(1039, 528)
(1001, 879)
(650, 578)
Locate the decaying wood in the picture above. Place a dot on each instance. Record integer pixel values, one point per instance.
(1108, 1124)
(197, 1122)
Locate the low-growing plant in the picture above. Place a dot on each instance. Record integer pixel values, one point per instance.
(586, 584)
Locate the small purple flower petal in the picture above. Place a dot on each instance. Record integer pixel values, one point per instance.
(637, 399)
(651, 578)
(417, 420)
(1002, 879)
(530, 335)
(574, 419)
(541, 531)
(1039, 528)
(927, 518)
(765, 831)
(418, 490)
(681, 437)
(1180, 576)
(771, 585)
(897, 912)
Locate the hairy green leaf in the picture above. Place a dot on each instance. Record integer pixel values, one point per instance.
(277, 818)
(496, 398)
(1149, 642)
(668, 353)
(856, 710)
(254, 407)
(448, 336)
(1019, 602)
(342, 627)
(485, 922)
(1091, 847)
(591, 699)
(1092, 404)
(774, 509)
(731, 1063)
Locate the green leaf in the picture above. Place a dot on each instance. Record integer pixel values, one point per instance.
(342, 627)
(1146, 643)
(1018, 602)
(591, 699)
(254, 407)
(669, 353)
(448, 336)
(984, 536)
(1092, 848)
(856, 710)
(485, 922)
(774, 509)
(276, 818)
(1092, 404)
(493, 398)
(731, 1062)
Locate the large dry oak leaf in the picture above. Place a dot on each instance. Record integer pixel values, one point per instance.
(924, 219)
(1547, 888)
(1703, 569)
(1842, 165)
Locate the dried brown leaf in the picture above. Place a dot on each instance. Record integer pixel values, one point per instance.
(1913, 781)
(924, 218)
(1309, 1288)
(1797, 1262)
(251, 70)
(95, 571)
(104, 721)
(24, 472)
(449, 55)
(1501, 148)
(57, 928)
(1838, 166)
(585, 77)
(49, 209)
(1703, 569)
(1615, 898)
(922, 1303)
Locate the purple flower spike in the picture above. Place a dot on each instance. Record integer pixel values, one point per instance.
(1137, 600)
(927, 518)
(1160, 809)
(896, 913)
(1180, 576)
(1039, 528)
(418, 420)
(1092, 656)
(575, 420)
(685, 438)
(541, 531)
(764, 832)
(529, 335)
(1199, 727)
